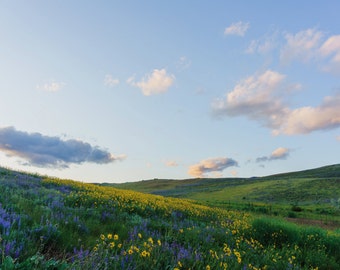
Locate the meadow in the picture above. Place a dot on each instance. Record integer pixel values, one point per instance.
(308, 195)
(50, 223)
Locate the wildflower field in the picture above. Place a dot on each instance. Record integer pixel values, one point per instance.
(48, 223)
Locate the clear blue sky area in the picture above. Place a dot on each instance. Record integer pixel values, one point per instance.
(117, 91)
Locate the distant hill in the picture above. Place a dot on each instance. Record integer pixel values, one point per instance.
(312, 186)
(322, 172)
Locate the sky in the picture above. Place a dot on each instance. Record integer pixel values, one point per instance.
(119, 91)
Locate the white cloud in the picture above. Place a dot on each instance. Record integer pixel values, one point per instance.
(278, 153)
(110, 81)
(307, 46)
(214, 165)
(261, 98)
(258, 97)
(239, 29)
(331, 48)
(155, 83)
(264, 44)
(308, 119)
(304, 45)
(51, 86)
(258, 46)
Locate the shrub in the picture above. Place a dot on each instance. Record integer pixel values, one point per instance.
(292, 214)
(296, 208)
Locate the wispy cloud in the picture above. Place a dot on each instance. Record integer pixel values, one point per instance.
(303, 45)
(183, 63)
(51, 86)
(263, 98)
(155, 83)
(171, 163)
(238, 29)
(46, 151)
(306, 46)
(279, 153)
(212, 165)
(331, 49)
(110, 81)
(264, 44)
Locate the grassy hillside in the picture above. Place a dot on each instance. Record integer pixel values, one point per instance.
(48, 223)
(317, 191)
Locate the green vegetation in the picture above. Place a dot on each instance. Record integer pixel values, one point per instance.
(308, 194)
(48, 223)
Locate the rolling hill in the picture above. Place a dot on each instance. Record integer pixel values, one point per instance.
(314, 189)
(51, 223)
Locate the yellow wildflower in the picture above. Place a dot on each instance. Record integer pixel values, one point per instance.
(109, 236)
(115, 237)
(150, 240)
(238, 256)
(145, 254)
(227, 250)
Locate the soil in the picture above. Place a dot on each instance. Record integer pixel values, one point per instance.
(328, 225)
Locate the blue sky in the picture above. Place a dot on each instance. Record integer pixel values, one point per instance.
(117, 91)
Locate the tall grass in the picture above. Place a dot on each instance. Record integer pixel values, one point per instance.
(312, 245)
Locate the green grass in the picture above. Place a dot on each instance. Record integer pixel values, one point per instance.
(49, 223)
(315, 191)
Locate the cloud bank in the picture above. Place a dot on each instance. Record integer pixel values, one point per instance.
(155, 83)
(46, 151)
(214, 165)
(263, 98)
(279, 153)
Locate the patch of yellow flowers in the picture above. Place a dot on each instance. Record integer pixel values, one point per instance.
(90, 195)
